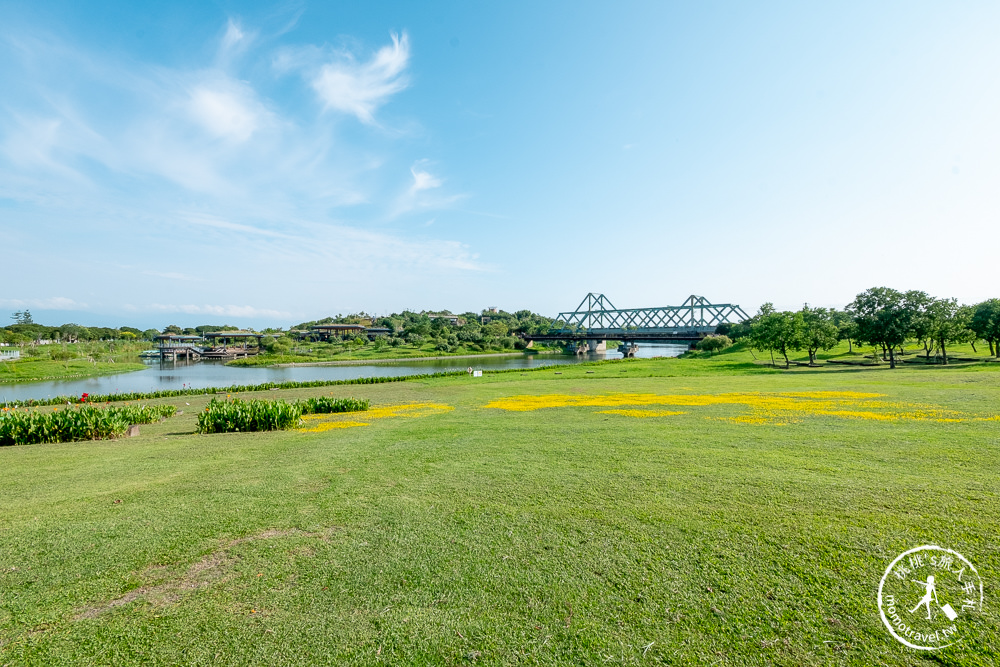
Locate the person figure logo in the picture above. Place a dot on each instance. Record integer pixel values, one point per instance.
(951, 598)
(929, 594)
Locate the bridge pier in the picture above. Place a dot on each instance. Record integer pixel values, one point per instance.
(597, 346)
(628, 350)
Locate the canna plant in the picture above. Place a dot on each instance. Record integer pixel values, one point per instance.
(83, 422)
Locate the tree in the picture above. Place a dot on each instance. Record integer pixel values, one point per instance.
(713, 342)
(947, 323)
(884, 317)
(986, 324)
(495, 329)
(818, 331)
(922, 325)
(847, 328)
(22, 317)
(774, 331)
(71, 333)
(173, 329)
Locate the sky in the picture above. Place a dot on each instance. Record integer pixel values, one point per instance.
(264, 164)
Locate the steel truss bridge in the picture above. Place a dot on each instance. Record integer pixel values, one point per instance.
(596, 318)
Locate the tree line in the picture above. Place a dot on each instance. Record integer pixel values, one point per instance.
(881, 317)
(487, 330)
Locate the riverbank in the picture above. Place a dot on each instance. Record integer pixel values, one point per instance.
(322, 352)
(43, 370)
(364, 362)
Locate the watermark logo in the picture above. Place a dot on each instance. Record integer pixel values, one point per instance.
(928, 597)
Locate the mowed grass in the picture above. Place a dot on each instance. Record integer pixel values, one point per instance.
(558, 536)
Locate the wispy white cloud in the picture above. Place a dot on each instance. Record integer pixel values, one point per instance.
(361, 88)
(422, 179)
(233, 39)
(172, 275)
(227, 109)
(49, 303)
(220, 310)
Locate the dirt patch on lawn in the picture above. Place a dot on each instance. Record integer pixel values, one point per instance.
(211, 569)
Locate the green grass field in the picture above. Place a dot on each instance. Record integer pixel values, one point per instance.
(717, 513)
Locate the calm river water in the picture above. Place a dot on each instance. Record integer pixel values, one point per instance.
(178, 375)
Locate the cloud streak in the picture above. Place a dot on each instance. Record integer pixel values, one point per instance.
(361, 88)
(220, 310)
(50, 303)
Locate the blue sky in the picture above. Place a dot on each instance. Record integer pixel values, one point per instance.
(265, 164)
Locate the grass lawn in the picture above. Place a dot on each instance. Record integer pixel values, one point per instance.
(680, 512)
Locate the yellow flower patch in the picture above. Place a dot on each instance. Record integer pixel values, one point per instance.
(325, 422)
(759, 407)
(641, 413)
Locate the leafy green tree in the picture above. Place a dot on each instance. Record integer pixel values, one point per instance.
(985, 322)
(847, 328)
(495, 329)
(173, 329)
(884, 317)
(71, 333)
(948, 323)
(774, 331)
(22, 317)
(714, 343)
(818, 331)
(922, 325)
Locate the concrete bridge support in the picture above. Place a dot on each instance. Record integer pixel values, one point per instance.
(628, 350)
(597, 346)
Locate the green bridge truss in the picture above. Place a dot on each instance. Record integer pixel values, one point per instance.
(597, 316)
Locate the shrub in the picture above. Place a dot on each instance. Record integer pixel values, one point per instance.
(712, 343)
(237, 415)
(83, 422)
(327, 405)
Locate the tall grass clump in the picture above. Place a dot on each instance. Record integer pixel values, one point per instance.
(83, 422)
(326, 405)
(238, 415)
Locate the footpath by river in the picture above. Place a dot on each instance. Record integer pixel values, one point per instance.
(198, 375)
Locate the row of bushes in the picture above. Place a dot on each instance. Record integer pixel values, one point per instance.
(83, 422)
(238, 415)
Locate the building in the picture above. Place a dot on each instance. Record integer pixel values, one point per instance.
(455, 320)
(331, 331)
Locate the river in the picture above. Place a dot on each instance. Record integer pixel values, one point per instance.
(178, 375)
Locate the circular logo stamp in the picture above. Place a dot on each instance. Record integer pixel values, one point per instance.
(928, 597)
